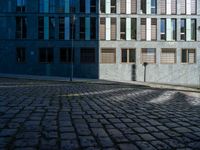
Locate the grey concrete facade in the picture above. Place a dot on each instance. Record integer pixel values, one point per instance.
(178, 73)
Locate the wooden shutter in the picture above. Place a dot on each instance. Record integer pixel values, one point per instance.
(183, 6)
(163, 7)
(191, 56)
(123, 6)
(102, 29)
(113, 28)
(143, 29)
(174, 6)
(134, 6)
(108, 56)
(193, 7)
(168, 56)
(154, 29)
(149, 55)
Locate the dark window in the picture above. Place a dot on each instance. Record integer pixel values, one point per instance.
(40, 27)
(143, 6)
(21, 55)
(72, 27)
(82, 6)
(21, 6)
(73, 6)
(128, 56)
(133, 28)
(61, 28)
(65, 55)
(123, 28)
(103, 6)
(87, 55)
(82, 27)
(124, 55)
(173, 24)
(93, 6)
(113, 6)
(93, 27)
(183, 29)
(51, 28)
(46, 55)
(193, 29)
(188, 56)
(153, 6)
(21, 27)
(52, 6)
(61, 8)
(41, 6)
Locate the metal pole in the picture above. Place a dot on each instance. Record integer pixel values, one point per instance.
(72, 49)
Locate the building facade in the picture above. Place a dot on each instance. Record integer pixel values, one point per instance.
(106, 39)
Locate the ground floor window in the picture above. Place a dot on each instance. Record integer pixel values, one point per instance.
(65, 55)
(128, 55)
(21, 55)
(148, 55)
(168, 56)
(108, 56)
(188, 56)
(46, 55)
(87, 55)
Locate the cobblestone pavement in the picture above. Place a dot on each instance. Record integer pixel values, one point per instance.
(105, 115)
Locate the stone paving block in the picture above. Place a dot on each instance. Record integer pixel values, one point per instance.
(127, 146)
(87, 141)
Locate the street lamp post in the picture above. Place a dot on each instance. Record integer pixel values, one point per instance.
(72, 49)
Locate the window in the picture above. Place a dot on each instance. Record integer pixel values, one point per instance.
(52, 28)
(103, 6)
(134, 6)
(102, 29)
(46, 55)
(93, 6)
(153, 29)
(61, 28)
(128, 56)
(108, 56)
(52, 6)
(153, 6)
(188, 56)
(163, 29)
(113, 28)
(194, 7)
(123, 6)
(61, 8)
(143, 29)
(163, 7)
(193, 29)
(183, 6)
(20, 55)
(183, 29)
(65, 55)
(168, 56)
(87, 55)
(149, 55)
(41, 5)
(21, 5)
(93, 27)
(72, 4)
(173, 7)
(40, 27)
(123, 28)
(73, 27)
(133, 28)
(21, 27)
(82, 6)
(173, 25)
(82, 28)
(143, 6)
(113, 6)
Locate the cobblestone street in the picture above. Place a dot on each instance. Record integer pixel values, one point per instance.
(96, 115)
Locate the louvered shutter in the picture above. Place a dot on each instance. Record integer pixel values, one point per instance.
(191, 56)
(149, 55)
(108, 56)
(174, 6)
(154, 29)
(168, 56)
(163, 7)
(113, 28)
(123, 6)
(183, 6)
(133, 6)
(193, 6)
(102, 28)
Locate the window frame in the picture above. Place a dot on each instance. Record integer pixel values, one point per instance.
(128, 55)
(47, 49)
(187, 55)
(22, 53)
(175, 59)
(141, 58)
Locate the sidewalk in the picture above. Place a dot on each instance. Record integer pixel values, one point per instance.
(98, 81)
